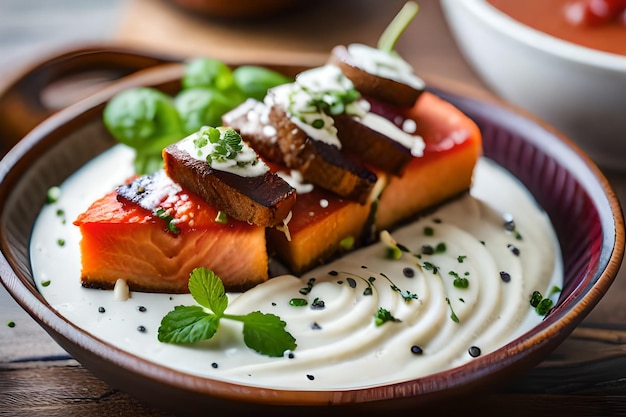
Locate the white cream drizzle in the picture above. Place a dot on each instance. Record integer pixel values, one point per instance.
(348, 349)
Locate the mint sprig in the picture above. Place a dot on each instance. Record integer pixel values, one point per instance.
(264, 333)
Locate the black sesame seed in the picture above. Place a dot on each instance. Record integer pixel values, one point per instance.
(316, 326)
(214, 365)
(416, 350)
(310, 377)
(505, 276)
(351, 282)
(291, 355)
(513, 249)
(101, 310)
(408, 272)
(141, 309)
(474, 351)
(141, 329)
(333, 273)
(273, 304)
(363, 266)
(428, 250)
(318, 304)
(509, 224)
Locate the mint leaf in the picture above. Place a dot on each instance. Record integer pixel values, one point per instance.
(187, 324)
(266, 334)
(208, 290)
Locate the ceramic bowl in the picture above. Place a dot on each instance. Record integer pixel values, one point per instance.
(584, 210)
(579, 90)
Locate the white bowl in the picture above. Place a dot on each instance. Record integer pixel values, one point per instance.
(579, 90)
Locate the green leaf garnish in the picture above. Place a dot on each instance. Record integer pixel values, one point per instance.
(398, 25)
(264, 333)
(227, 143)
(382, 316)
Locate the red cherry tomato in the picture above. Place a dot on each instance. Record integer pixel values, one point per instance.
(594, 12)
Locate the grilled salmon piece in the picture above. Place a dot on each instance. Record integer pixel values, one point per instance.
(155, 251)
(322, 226)
(453, 145)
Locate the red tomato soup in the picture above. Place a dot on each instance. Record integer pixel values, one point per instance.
(583, 27)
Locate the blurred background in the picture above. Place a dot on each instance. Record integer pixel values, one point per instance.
(32, 30)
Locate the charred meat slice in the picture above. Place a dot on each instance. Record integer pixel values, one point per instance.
(270, 132)
(371, 146)
(320, 163)
(264, 200)
(372, 85)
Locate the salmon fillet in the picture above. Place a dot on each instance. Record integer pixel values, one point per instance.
(123, 240)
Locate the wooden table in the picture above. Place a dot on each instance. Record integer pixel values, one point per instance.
(585, 376)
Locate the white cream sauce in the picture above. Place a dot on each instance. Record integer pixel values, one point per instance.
(339, 346)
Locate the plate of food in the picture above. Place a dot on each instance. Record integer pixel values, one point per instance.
(341, 238)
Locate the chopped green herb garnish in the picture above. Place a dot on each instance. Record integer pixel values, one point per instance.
(461, 258)
(227, 143)
(53, 195)
(61, 242)
(382, 316)
(221, 217)
(347, 243)
(453, 315)
(405, 294)
(393, 253)
(264, 333)
(430, 267)
(11, 323)
(544, 306)
(162, 214)
(45, 283)
(459, 282)
(298, 302)
(318, 123)
(429, 231)
(541, 304)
